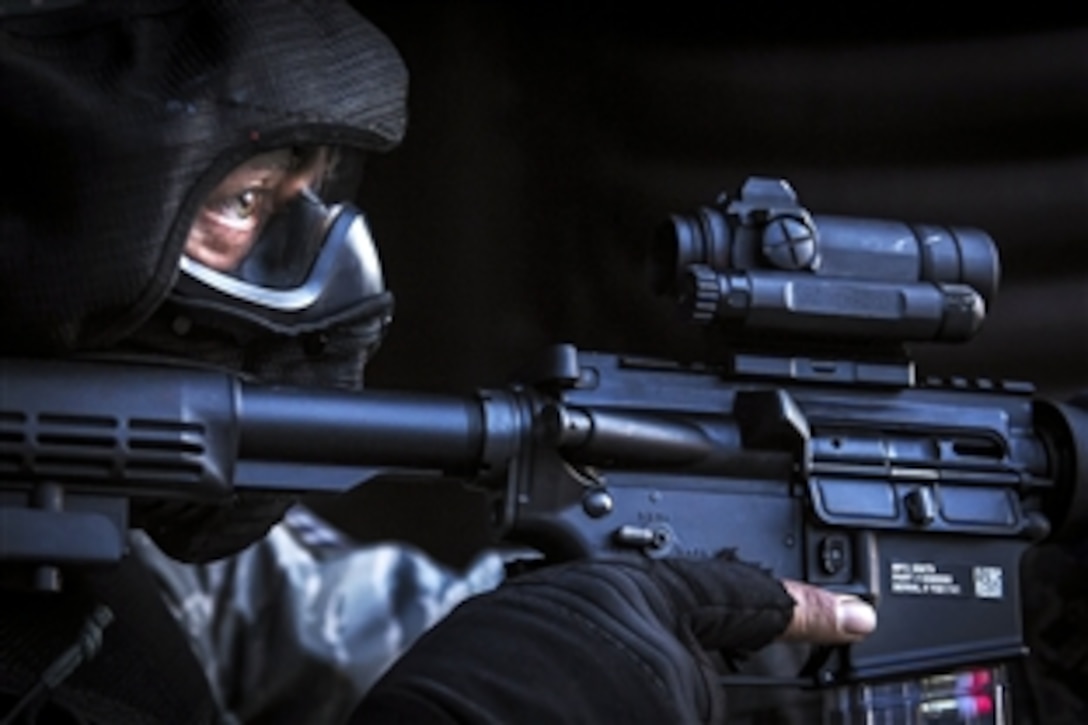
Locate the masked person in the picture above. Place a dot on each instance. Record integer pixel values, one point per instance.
(300, 624)
(187, 207)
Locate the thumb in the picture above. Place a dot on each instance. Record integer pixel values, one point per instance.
(823, 617)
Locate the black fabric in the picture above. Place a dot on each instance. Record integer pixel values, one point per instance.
(1056, 628)
(125, 113)
(145, 671)
(587, 642)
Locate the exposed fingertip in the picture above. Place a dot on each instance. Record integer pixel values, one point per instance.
(854, 617)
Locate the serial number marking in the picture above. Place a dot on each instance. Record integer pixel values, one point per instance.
(927, 578)
(923, 578)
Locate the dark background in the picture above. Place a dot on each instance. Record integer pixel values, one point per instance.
(547, 141)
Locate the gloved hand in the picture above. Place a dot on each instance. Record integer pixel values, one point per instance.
(604, 642)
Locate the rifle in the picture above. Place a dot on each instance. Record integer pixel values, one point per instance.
(807, 444)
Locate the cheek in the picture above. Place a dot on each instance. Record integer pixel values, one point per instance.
(219, 245)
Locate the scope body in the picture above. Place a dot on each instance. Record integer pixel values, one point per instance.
(758, 262)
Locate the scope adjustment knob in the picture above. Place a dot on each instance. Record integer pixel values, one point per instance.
(701, 293)
(790, 242)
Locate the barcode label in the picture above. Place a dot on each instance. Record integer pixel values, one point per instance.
(989, 582)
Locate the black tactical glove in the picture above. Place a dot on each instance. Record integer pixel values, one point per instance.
(587, 642)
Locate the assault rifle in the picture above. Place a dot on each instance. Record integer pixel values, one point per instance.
(807, 444)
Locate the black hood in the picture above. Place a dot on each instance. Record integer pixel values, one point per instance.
(117, 117)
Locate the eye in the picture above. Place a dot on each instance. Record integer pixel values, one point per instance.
(245, 205)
